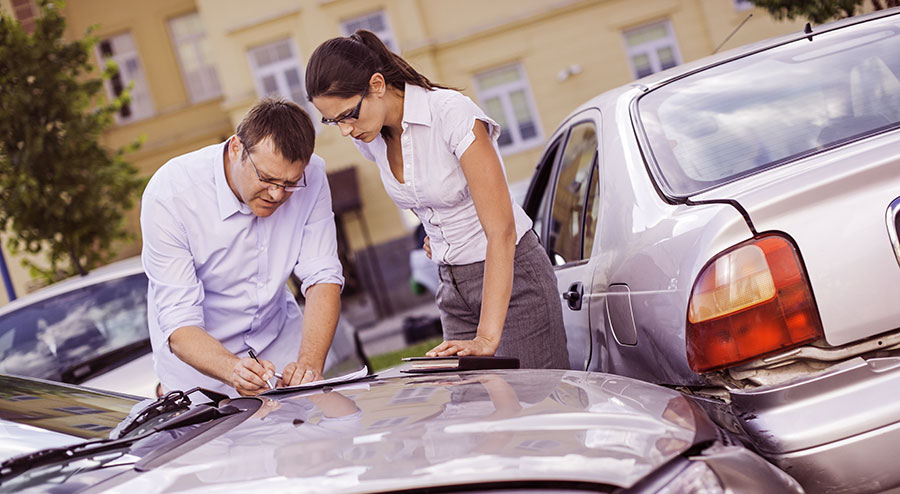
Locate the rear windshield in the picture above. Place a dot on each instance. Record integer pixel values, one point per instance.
(769, 108)
(52, 338)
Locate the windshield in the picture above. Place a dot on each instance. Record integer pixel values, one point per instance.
(769, 108)
(51, 337)
(120, 430)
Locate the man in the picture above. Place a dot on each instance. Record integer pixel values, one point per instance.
(223, 228)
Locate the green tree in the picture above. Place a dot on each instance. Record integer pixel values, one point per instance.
(61, 193)
(818, 11)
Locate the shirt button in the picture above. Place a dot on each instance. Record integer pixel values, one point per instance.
(256, 316)
(259, 285)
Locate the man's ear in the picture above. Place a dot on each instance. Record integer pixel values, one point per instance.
(377, 84)
(235, 147)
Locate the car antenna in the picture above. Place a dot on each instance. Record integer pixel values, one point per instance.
(732, 33)
(808, 30)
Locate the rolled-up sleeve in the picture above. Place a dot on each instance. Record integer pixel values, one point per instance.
(458, 117)
(318, 260)
(175, 290)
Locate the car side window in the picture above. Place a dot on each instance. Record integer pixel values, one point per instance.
(566, 220)
(538, 199)
(592, 209)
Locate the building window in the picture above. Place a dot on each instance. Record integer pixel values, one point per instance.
(94, 427)
(22, 397)
(743, 4)
(122, 50)
(195, 57)
(652, 48)
(25, 12)
(277, 72)
(377, 22)
(506, 97)
(78, 410)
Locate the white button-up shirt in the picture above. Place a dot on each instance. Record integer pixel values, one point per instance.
(212, 263)
(437, 130)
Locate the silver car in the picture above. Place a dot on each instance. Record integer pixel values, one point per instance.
(497, 431)
(728, 228)
(92, 330)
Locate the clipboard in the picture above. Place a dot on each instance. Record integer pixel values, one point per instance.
(421, 365)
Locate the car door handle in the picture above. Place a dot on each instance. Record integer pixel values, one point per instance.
(574, 295)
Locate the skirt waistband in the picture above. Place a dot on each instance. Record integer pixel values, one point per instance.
(461, 272)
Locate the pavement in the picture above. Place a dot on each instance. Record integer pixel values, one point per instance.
(385, 334)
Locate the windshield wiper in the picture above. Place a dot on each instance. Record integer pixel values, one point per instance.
(173, 401)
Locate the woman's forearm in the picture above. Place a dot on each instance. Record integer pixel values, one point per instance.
(498, 280)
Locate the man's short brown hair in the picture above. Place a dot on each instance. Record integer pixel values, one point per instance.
(285, 122)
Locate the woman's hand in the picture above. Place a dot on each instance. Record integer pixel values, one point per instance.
(427, 246)
(478, 346)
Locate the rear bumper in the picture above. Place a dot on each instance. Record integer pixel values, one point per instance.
(833, 431)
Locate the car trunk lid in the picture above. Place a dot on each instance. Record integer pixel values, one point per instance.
(835, 206)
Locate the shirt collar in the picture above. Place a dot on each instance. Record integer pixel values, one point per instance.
(228, 202)
(416, 109)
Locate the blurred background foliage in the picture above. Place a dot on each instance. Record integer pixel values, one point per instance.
(62, 194)
(819, 11)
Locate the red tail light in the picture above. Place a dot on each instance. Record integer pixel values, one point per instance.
(750, 301)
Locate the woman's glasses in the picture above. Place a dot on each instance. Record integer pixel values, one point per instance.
(351, 117)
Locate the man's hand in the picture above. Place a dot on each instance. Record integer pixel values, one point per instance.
(297, 373)
(249, 378)
(427, 246)
(477, 346)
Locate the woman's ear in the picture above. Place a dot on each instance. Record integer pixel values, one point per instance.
(377, 84)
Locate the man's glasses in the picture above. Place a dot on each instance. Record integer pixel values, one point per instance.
(351, 117)
(273, 186)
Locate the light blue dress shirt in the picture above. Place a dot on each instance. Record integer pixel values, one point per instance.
(212, 263)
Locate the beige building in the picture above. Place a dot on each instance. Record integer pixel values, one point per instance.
(198, 65)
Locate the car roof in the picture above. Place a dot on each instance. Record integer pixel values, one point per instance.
(664, 77)
(116, 270)
(660, 78)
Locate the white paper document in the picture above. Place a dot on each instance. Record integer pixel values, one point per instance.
(346, 378)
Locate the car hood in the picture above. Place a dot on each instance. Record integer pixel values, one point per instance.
(19, 439)
(445, 429)
(137, 377)
(834, 206)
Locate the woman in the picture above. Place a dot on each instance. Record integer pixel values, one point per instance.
(437, 154)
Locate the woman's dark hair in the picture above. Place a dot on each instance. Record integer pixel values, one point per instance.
(342, 67)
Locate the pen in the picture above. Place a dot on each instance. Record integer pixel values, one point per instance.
(253, 356)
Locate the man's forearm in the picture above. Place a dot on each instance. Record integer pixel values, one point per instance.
(197, 348)
(323, 308)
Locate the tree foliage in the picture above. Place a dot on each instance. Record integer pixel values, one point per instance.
(818, 11)
(61, 193)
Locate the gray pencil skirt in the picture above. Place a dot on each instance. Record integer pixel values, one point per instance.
(533, 330)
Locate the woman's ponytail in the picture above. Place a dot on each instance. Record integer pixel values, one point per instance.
(342, 67)
(396, 71)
